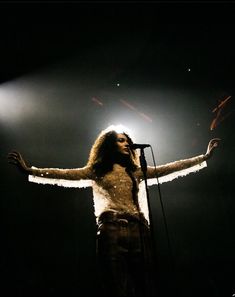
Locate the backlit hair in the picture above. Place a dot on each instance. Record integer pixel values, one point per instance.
(104, 151)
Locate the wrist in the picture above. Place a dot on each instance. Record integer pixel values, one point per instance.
(27, 170)
(206, 156)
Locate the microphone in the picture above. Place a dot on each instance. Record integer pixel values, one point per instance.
(135, 146)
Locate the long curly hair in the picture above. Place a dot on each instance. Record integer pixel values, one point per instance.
(103, 153)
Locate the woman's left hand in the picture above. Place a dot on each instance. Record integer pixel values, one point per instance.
(213, 143)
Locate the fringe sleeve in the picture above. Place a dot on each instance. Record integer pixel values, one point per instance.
(173, 170)
(71, 178)
(180, 173)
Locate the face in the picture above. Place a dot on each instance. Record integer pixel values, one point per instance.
(122, 144)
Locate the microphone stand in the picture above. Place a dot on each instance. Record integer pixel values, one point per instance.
(143, 165)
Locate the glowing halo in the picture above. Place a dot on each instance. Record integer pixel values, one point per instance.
(118, 129)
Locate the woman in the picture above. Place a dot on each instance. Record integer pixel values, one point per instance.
(124, 247)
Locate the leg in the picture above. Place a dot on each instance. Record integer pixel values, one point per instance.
(112, 255)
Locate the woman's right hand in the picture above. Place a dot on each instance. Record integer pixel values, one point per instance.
(16, 158)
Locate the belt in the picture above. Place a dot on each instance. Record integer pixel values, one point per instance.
(121, 218)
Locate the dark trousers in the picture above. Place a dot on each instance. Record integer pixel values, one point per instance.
(124, 255)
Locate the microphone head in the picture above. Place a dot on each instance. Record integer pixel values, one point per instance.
(135, 146)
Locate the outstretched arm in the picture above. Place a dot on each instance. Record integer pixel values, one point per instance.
(169, 168)
(16, 158)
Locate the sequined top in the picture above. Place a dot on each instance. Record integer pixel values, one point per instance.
(114, 191)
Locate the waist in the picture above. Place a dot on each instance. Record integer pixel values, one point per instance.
(122, 218)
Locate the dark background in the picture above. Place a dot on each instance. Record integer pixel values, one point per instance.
(174, 63)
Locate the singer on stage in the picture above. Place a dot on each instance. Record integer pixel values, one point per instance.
(124, 247)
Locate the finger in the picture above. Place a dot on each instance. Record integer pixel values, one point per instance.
(215, 144)
(13, 162)
(12, 153)
(216, 139)
(15, 153)
(12, 156)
